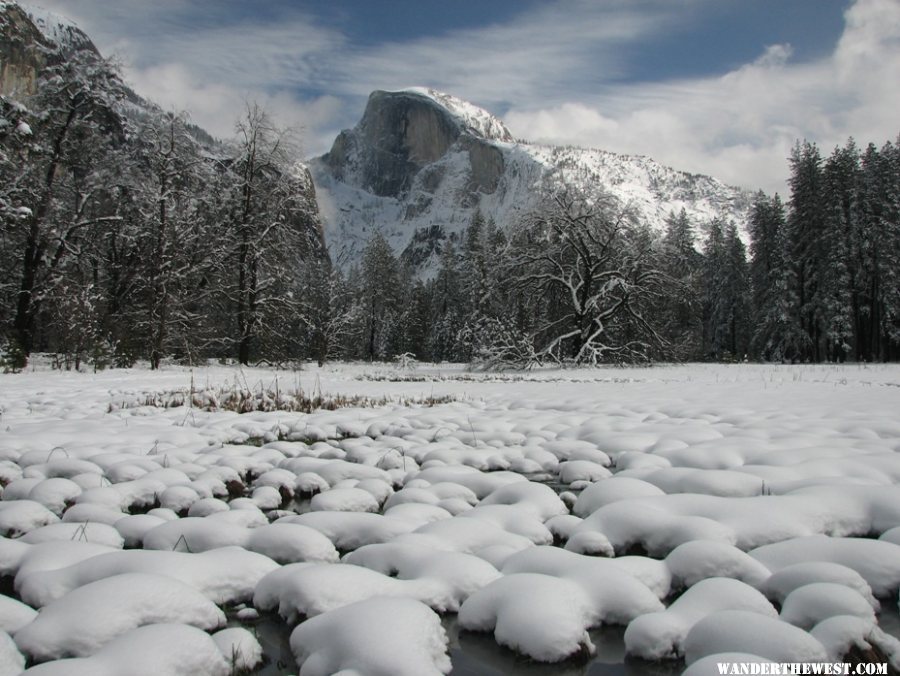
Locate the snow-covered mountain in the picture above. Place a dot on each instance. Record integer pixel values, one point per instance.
(25, 34)
(32, 38)
(420, 163)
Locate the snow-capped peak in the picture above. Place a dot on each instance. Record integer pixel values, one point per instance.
(473, 118)
(57, 28)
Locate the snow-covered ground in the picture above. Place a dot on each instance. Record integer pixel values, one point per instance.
(748, 509)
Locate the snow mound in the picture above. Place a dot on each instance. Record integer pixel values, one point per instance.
(472, 536)
(617, 591)
(630, 523)
(227, 575)
(661, 635)
(96, 533)
(698, 560)
(612, 490)
(171, 649)
(810, 604)
(461, 574)
(544, 617)
(841, 633)
(344, 500)
(748, 632)
(877, 561)
(306, 590)
(85, 619)
(12, 662)
(14, 614)
(537, 498)
(282, 542)
(240, 648)
(350, 530)
(376, 637)
(789, 578)
(18, 517)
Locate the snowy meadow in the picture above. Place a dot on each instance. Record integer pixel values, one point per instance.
(619, 520)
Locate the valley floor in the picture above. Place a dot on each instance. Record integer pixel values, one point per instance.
(706, 509)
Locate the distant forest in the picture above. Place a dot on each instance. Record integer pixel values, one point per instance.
(127, 235)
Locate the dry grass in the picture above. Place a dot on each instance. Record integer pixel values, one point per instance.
(241, 399)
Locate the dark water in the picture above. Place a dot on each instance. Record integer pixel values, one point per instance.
(477, 654)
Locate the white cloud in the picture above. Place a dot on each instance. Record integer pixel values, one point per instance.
(740, 126)
(559, 73)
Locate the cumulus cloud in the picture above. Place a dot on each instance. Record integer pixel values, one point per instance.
(740, 126)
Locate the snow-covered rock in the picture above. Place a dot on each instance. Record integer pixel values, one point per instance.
(172, 649)
(420, 157)
(661, 635)
(82, 621)
(749, 632)
(376, 637)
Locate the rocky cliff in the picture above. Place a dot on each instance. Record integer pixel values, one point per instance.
(420, 163)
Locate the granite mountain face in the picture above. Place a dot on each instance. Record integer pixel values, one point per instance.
(420, 163)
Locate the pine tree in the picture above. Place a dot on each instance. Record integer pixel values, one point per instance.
(840, 246)
(381, 297)
(681, 305)
(448, 307)
(776, 329)
(808, 253)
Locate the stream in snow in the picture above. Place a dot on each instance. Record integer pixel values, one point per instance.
(475, 654)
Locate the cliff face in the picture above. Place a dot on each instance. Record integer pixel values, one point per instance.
(400, 135)
(420, 163)
(21, 54)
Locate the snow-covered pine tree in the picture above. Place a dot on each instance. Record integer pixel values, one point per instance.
(840, 246)
(448, 307)
(808, 254)
(682, 264)
(381, 298)
(776, 331)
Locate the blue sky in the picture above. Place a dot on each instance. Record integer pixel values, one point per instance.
(722, 87)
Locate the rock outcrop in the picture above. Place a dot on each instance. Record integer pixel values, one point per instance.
(420, 163)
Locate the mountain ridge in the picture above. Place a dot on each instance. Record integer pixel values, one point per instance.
(420, 163)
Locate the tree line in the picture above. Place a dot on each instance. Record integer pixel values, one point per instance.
(579, 280)
(126, 234)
